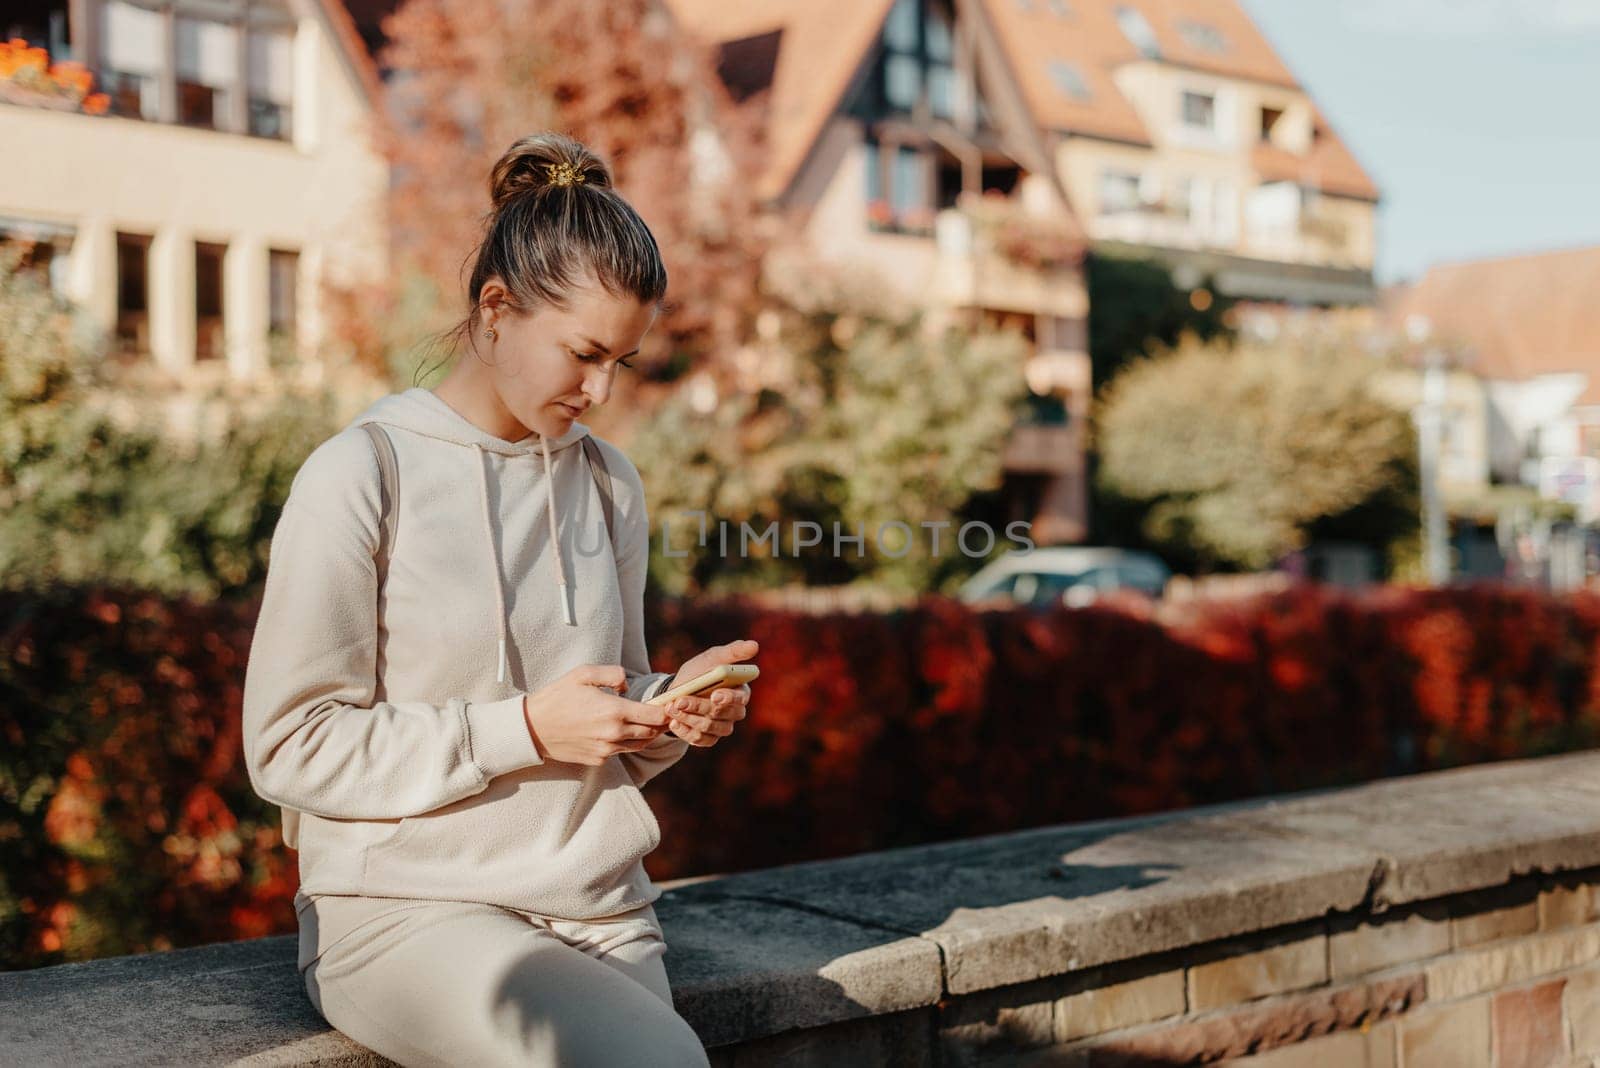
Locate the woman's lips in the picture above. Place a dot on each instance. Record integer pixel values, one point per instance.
(569, 409)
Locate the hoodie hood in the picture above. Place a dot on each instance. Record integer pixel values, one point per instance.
(422, 411)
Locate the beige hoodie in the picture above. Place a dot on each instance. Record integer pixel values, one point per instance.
(388, 723)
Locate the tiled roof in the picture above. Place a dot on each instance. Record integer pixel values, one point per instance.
(1517, 317)
(1088, 41)
(822, 46)
(1245, 52)
(1329, 166)
(1046, 43)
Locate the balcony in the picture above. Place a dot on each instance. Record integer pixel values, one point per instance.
(28, 78)
(1043, 448)
(1155, 224)
(995, 255)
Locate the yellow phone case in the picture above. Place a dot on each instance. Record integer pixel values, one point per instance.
(721, 675)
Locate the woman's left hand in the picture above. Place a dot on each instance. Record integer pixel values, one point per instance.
(704, 719)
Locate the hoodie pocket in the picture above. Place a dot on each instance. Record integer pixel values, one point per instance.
(642, 809)
(563, 838)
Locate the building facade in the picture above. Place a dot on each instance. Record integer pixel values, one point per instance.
(909, 134)
(898, 141)
(1180, 134)
(1527, 328)
(221, 173)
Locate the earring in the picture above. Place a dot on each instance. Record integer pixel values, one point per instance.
(491, 335)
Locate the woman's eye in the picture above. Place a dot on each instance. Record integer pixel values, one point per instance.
(595, 357)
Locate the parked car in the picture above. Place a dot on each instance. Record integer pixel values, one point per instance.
(1071, 574)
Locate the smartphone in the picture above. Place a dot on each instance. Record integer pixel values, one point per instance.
(721, 675)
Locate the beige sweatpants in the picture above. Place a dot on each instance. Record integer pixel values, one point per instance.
(444, 983)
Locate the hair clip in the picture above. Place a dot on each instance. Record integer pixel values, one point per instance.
(564, 173)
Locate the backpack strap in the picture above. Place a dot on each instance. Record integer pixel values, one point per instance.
(602, 481)
(389, 481)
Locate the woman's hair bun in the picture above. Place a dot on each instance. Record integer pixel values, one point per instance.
(542, 161)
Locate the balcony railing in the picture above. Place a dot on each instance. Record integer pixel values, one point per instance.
(997, 256)
(1043, 448)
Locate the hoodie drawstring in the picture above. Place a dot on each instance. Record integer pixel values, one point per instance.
(494, 556)
(555, 544)
(494, 561)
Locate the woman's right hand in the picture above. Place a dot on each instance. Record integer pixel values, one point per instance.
(580, 719)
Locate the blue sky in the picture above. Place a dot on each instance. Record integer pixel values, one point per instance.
(1479, 119)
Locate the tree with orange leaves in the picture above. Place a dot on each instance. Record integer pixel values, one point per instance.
(468, 77)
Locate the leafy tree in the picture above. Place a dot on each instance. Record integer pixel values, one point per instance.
(1244, 453)
(90, 497)
(1135, 309)
(865, 417)
(468, 77)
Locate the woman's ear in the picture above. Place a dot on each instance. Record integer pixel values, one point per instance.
(492, 300)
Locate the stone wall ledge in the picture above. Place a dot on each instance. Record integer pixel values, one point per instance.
(888, 939)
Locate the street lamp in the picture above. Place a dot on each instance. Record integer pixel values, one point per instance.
(1429, 419)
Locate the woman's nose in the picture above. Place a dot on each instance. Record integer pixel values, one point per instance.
(597, 386)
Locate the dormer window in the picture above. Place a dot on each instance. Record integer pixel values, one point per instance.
(1200, 111)
(1202, 36)
(1270, 117)
(1136, 28)
(1069, 80)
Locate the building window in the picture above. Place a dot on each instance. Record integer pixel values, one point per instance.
(208, 339)
(899, 189)
(230, 65)
(1269, 120)
(909, 194)
(1069, 79)
(132, 57)
(940, 43)
(1137, 30)
(919, 58)
(1200, 111)
(271, 83)
(283, 273)
(902, 81)
(1119, 192)
(208, 71)
(900, 29)
(1183, 199)
(133, 293)
(1202, 36)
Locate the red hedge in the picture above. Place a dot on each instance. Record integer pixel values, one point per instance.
(127, 823)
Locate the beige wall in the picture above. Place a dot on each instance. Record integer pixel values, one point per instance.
(836, 229)
(1464, 459)
(321, 196)
(1326, 230)
(930, 271)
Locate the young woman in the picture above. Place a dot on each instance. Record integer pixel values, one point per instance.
(445, 687)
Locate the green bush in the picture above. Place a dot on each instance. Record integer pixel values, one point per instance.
(866, 418)
(90, 498)
(1244, 453)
